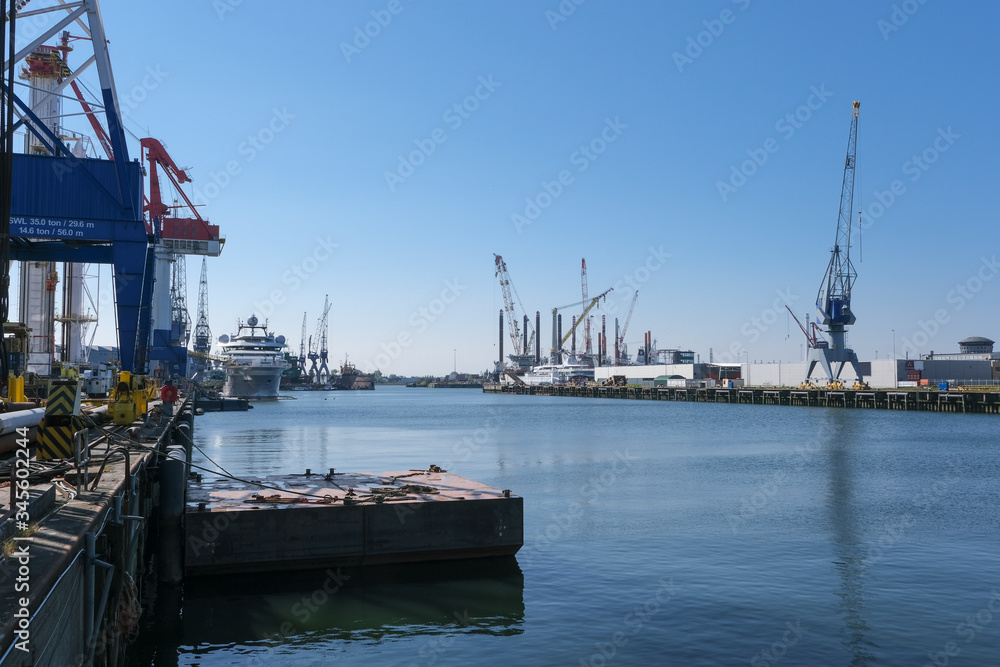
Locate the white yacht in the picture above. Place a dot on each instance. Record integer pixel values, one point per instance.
(255, 361)
(559, 374)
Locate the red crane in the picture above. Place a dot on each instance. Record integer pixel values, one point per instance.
(814, 338)
(181, 234)
(587, 348)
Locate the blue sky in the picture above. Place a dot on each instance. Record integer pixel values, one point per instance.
(683, 94)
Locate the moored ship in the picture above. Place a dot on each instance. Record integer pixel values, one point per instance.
(255, 361)
(555, 374)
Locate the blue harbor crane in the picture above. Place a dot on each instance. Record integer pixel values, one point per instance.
(834, 298)
(61, 204)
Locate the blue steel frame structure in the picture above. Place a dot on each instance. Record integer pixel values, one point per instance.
(70, 209)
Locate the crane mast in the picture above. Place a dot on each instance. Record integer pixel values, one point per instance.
(179, 315)
(302, 345)
(833, 301)
(202, 332)
(513, 326)
(623, 350)
(323, 375)
(588, 349)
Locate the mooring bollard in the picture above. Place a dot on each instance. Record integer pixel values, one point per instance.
(182, 437)
(173, 484)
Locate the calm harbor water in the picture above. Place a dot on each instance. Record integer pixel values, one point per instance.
(655, 533)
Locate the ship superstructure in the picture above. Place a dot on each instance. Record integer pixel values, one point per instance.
(255, 360)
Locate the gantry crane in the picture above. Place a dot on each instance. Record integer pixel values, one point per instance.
(175, 236)
(318, 370)
(313, 357)
(513, 325)
(323, 373)
(833, 301)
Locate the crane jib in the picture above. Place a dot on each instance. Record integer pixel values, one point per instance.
(834, 298)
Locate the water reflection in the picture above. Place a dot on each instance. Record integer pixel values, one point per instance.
(481, 596)
(840, 437)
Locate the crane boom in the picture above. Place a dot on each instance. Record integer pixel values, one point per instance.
(583, 315)
(628, 318)
(510, 299)
(834, 298)
(813, 338)
(193, 235)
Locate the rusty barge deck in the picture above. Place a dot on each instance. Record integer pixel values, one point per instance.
(320, 520)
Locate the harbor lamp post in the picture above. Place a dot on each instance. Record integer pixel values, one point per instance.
(895, 366)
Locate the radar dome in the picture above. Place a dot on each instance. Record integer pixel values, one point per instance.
(224, 338)
(252, 322)
(280, 340)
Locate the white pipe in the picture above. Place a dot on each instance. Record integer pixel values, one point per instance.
(11, 421)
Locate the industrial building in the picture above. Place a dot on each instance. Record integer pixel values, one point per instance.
(974, 364)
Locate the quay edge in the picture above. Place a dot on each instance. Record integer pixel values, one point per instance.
(974, 402)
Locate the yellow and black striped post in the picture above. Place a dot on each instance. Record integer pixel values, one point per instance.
(61, 421)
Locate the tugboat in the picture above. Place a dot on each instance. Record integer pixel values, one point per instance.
(255, 359)
(352, 379)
